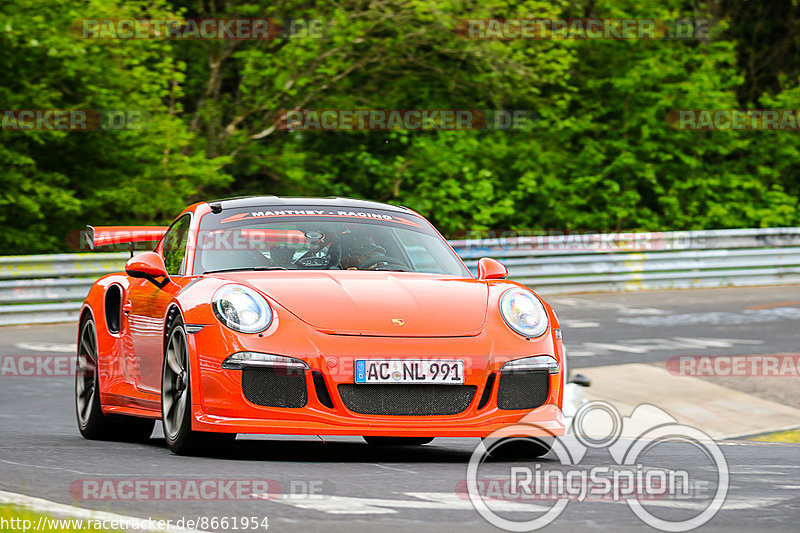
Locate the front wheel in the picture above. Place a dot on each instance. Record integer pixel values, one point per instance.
(92, 423)
(398, 441)
(176, 400)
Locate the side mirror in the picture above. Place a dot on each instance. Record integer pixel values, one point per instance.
(581, 380)
(489, 268)
(149, 266)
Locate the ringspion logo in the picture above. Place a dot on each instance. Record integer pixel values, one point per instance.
(632, 475)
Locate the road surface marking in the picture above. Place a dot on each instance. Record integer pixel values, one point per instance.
(394, 469)
(26, 465)
(716, 318)
(46, 347)
(643, 346)
(775, 304)
(576, 324)
(446, 501)
(440, 501)
(591, 304)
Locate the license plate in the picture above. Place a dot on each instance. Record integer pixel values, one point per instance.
(443, 372)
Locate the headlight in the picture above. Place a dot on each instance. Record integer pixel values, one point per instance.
(241, 309)
(523, 312)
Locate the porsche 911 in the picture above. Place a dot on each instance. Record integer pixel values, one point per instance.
(308, 316)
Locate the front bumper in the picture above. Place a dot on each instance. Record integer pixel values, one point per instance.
(550, 423)
(219, 403)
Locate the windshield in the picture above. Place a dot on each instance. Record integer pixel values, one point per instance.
(321, 238)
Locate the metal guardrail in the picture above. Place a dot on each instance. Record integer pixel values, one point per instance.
(49, 288)
(36, 289)
(557, 264)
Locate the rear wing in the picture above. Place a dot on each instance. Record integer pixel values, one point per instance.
(96, 236)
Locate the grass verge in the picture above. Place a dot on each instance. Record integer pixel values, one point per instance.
(781, 436)
(16, 519)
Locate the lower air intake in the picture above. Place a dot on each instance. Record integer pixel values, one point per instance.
(407, 400)
(272, 387)
(523, 390)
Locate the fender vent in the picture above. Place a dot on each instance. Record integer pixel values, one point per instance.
(113, 307)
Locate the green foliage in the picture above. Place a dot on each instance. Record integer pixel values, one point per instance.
(599, 154)
(54, 181)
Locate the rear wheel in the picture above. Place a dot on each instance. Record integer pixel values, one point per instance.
(92, 423)
(398, 441)
(519, 447)
(176, 400)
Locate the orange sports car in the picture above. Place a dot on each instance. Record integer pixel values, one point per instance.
(310, 316)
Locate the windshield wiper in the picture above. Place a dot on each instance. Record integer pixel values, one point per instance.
(390, 269)
(238, 269)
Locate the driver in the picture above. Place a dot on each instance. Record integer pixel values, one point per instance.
(357, 248)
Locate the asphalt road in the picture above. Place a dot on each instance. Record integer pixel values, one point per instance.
(362, 488)
(606, 329)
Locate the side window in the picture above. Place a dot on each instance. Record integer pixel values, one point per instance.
(174, 248)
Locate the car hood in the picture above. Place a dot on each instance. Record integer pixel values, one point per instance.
(378, 303)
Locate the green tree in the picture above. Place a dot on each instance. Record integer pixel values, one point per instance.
(53, 181)
(599, 155)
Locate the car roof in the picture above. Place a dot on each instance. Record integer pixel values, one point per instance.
(262, 201)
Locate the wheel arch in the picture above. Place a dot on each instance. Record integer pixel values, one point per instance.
(173, 311)
(85, 312)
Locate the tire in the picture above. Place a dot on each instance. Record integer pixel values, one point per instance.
(398, 441)
(176, 400)
(519, 447)
(92, 423)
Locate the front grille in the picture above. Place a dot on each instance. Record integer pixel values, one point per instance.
(523, 390)
(407, 400)
(272, 387)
